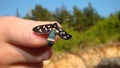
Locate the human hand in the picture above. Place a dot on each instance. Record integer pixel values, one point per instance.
(20, 46)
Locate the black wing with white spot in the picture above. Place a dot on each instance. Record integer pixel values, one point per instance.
(63, 34)
(42, 29)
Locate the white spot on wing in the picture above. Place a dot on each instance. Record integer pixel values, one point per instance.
(43, 26)
(49, 26)
(57, 31)
(63, 32)
(50, 29)
(60, 29)
(40, 30)
(68, 35)
(64, 37)
(38, 27)
(45, 29)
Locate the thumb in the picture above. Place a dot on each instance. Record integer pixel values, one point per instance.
(19, 32)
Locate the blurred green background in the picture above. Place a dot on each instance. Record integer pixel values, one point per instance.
(86, 26)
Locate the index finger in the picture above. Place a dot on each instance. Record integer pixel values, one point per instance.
(20, 32)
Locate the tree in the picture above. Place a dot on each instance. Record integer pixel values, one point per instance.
(61, 14)
(91, 16)
(28, 16)
(17, 13)
(78, 19)
(39, 14)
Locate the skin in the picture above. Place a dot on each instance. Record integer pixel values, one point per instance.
(20, 47)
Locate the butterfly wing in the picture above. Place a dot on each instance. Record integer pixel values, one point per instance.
(42, 29)
(63, 34)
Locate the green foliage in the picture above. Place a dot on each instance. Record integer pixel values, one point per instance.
(28, 17)
(107, 30)
(91, 16)
(85, 26)
(68, 45)
(83, 20)
(102, 32)
(39, 14)
(79, 18)
(61, 14)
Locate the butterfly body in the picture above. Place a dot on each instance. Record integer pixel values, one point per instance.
(52, 35)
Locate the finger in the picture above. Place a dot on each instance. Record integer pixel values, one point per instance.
(19, 31)
(19, 55)
(27, 65)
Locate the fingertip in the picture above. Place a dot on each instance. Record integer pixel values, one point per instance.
(41, 39)
(37, 40)
(20, 32)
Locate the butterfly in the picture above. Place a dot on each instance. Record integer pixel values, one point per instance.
(42, 29)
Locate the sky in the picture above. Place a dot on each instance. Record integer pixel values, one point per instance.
(103, 7)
